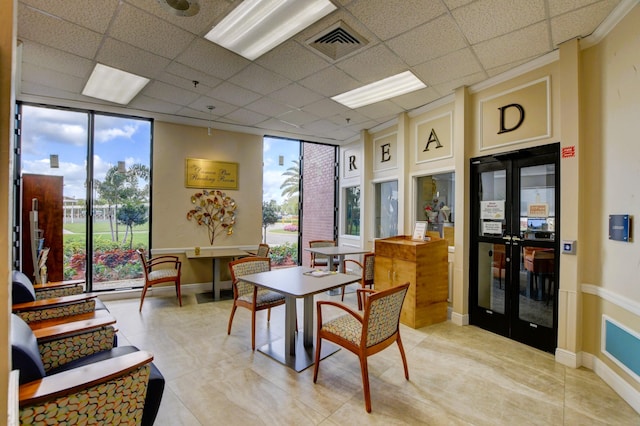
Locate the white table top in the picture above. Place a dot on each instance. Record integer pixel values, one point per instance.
(294, 281)
(214, 253)
(336, 250)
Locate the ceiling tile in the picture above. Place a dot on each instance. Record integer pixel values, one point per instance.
(529, 42)
(486, 19)
(416, 99)
(297, 117)
(126, 57)
(183, 71)
(79, 12)
(558, 7)
(201, 23)
(380, 109)
(452, 66)
(221, 108)
(246, 117)
(387, 18)
(453, 4)
(268, 107)
(145, 103)
(580, 22)
(450, 86)
(185, 83)
(233, 94)
(259, 79)
(169, 93)
(57, 60)
(330, 81)
(50, 31)
(292, 60)
(437, 38)
(146, 31)
(372, 64)
(325, 108)
(295, 95)
(62, 81)
(212, 59)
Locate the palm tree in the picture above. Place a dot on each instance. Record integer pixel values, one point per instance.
(291, 186)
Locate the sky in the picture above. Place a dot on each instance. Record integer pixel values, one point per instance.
(48, 131)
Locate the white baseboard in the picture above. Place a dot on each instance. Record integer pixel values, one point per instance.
(459, 319)
(569, 359)
(617, 383)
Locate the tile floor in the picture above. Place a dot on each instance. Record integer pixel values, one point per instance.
(458, 375)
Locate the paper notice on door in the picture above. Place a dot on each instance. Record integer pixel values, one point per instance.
(492, 209)
(494, 228)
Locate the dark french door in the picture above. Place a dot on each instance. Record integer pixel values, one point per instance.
(514, 255)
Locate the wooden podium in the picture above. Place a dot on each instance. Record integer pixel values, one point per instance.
(424, 264)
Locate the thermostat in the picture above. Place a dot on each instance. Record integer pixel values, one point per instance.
(568, 246)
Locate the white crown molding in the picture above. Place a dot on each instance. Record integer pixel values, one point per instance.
(610, 22)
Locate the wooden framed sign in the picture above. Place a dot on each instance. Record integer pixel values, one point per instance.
(201, 173)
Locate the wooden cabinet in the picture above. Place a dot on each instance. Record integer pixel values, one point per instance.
(425, 266)
(48, 191)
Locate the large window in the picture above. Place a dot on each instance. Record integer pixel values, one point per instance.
(104, 163)
(386, 209)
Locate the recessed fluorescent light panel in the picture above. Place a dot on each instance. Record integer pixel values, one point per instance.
(386, 88)
(256, 26)
(111, 84)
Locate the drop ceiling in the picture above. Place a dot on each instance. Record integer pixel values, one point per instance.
(286, 92)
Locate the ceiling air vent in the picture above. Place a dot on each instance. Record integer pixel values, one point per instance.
(337, 41)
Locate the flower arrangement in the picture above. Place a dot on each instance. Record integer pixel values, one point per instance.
(215, 210)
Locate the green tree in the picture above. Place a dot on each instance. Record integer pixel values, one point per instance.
(131, 214)
(291, 185)
(119, 187)
(269, 216)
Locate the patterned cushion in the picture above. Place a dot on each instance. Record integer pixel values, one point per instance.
(55, 353)
(118, 401)
(384, 316)
(345, 326)
(264, 297)
(58, 312)
(369, 267)
(162, 273)
(58, 292)
(245, 290)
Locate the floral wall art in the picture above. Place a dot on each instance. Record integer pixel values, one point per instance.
(214, 210)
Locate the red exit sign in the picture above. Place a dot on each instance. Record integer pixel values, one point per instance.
(569, 151)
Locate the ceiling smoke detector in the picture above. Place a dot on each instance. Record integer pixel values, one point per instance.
(181, 7)
(337, 41)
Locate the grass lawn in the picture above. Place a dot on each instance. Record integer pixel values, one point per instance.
(101, 227)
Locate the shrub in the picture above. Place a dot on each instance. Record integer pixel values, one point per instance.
(291, 227)
(284, 253)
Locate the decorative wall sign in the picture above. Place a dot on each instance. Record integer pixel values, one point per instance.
(518, 115)
(211, 174)
(434, 138)
(385, 152)
(214, 210)
(620, 227)
(351, 163)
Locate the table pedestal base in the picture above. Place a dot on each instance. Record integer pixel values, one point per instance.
(304, 357)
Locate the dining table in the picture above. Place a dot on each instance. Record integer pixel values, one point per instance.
(297, 349)
(216, 255)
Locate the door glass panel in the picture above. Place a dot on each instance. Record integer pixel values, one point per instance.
(120, 201)
(352, 210)
(386, 209)
(491, 276)
(537, 285)
(493, 193)
(537, 202)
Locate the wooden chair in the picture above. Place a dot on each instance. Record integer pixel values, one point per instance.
(161, 275)
(366, 334)
(250, 296)
(263, 250)
(318, 260)
(366, 269)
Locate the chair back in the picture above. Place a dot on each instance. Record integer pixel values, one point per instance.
(143, 259)
(369, 264)
(382, 314)
(22, 290)
(321, 243)
(25, 353)
(246, 266)
(263, 250)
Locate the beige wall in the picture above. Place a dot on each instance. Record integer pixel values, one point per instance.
(7, 100)
(610, 130)
(171, 231)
